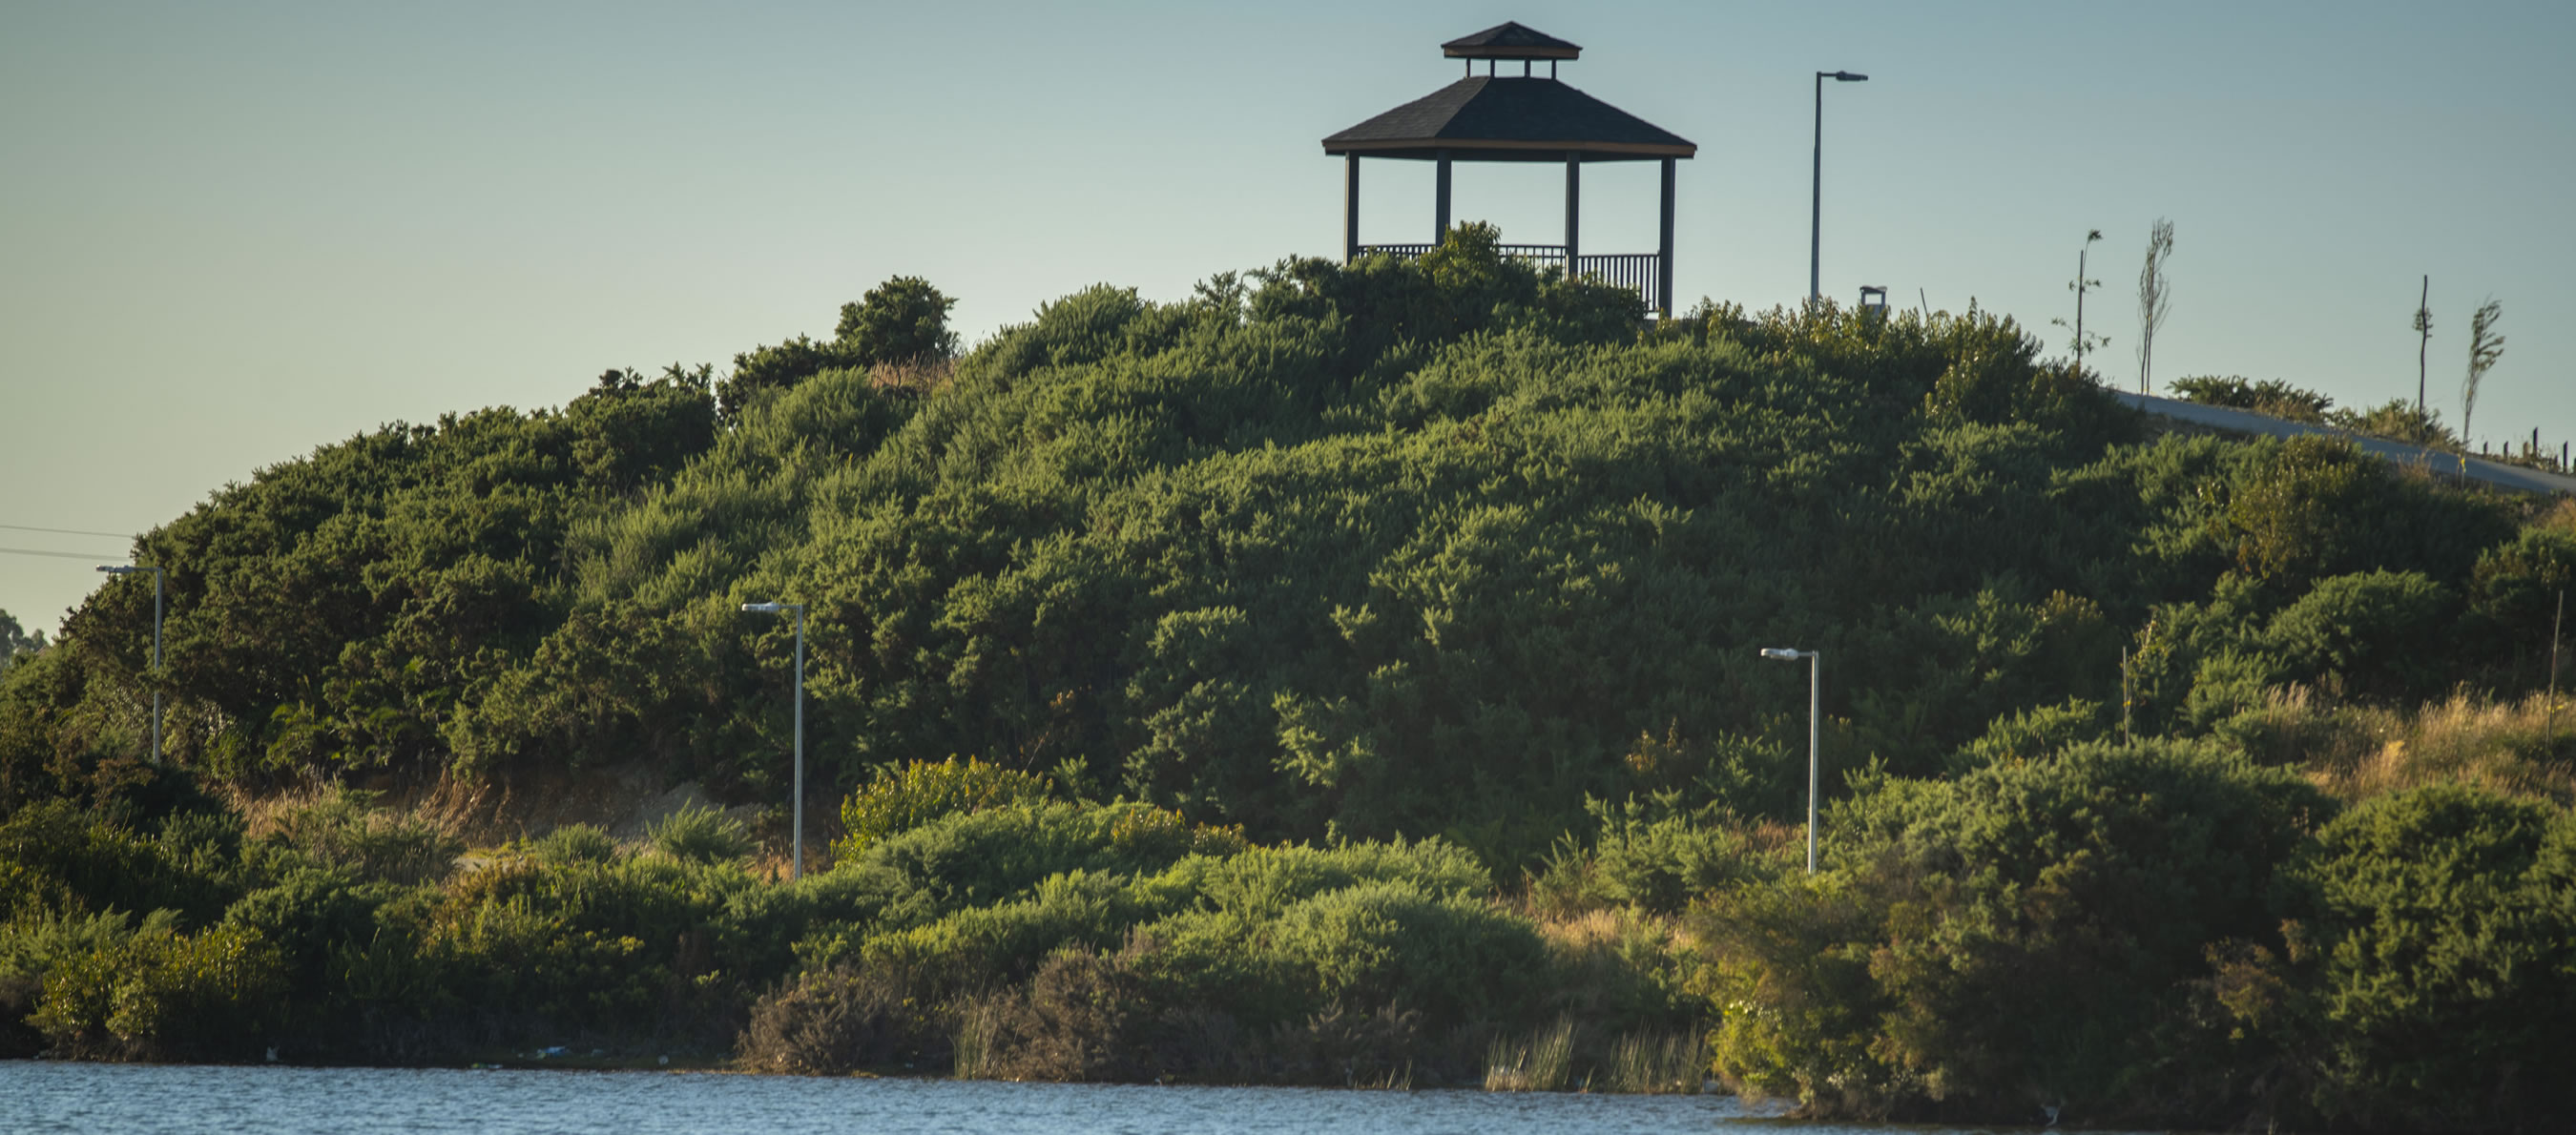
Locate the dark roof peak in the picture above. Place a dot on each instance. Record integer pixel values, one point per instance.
(1481, 118)
(1509, 40)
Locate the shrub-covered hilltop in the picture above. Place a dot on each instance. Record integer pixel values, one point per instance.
(1349, 675)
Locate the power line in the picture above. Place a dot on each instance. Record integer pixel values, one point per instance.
(67, 531)
(93, 557)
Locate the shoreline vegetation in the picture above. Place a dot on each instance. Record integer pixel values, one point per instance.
(1347, 676)
(2394, 420)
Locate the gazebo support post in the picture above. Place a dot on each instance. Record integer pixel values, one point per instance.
(1440, 210)
(1350, 208)
(1573, 214)
(1664, 252)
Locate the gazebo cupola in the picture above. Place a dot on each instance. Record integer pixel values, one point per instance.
(1500, 116)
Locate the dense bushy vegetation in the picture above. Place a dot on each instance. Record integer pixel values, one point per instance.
(1349, 669)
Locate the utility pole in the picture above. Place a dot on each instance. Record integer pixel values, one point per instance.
(2423, 339)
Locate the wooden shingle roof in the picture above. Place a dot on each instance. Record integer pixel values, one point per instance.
(1509, 118)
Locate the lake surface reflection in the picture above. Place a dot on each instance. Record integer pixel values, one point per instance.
(51, 1097)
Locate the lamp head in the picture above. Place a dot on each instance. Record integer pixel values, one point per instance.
(1850, 77)
(1782, 653)
(763, 608)
(118, 569)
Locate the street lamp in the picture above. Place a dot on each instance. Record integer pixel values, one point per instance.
(1816, 220)
(1815, 689)
(129, 569)
(797, 826)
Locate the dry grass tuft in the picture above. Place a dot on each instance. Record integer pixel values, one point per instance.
(2357, 751)
(916, 376)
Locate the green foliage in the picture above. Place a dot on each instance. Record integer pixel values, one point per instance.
(837, 1021)
(1649, 855)
(901, 320)
(2515, 592)
(55, 857)
(343, 829)
(697, 834)
(2021, 936)
(2398, 420)
(16, 640)
(630, 433)
(161, 995)
(2383, 633)
(1393, 548)
(574, 843)
(2270, 396)
(899, 800)
(2431, 966)
(1410, 561)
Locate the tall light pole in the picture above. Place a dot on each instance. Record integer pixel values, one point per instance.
(1816, 220)
(797, 825)
(129, 569)
(1815, 698)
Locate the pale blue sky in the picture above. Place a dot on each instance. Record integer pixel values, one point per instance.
(232, 232)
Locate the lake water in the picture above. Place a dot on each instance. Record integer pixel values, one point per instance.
(139, 1099)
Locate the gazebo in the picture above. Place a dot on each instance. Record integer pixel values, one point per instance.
(1496, 117)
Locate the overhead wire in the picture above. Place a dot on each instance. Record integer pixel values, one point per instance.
(67, 531)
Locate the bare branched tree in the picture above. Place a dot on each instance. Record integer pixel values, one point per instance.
(2485, 347)
(2080, 285)
(2155, 298)
(2423, 339)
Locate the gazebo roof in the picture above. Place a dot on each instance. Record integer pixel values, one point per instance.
(1509, 118)
(1509, 40)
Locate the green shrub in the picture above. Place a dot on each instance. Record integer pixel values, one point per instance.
(2398, 420)
(837, 1021)
(160, 995)
(2431, 968)
(2514, 594)
(343, 828)
(574, 843)
(56, 857)
(307, 916)
(1654, 857)
(1262, 882)
(695, 834)
(976, 858)
(2039, 733)
(900, 800)
(1390, 943)
(2270, 396)
(991, 945)
(2020, 936)
(2379, 633)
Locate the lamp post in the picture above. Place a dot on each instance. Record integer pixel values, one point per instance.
(796, 870)
(1816, 220)
(129, 569)
(1815, 691)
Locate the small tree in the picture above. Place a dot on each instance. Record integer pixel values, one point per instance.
(2485, 347)
(901, 321)
(2081, 285)
(15, 640)
(904, 320)
(2155, 297)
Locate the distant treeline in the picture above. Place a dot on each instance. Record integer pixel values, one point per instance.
(1404, 551)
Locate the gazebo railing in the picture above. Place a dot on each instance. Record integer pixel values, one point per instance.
(1638, 270)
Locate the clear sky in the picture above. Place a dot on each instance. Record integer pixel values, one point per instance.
(232, 232)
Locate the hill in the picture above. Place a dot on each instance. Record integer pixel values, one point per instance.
(1358, 557)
